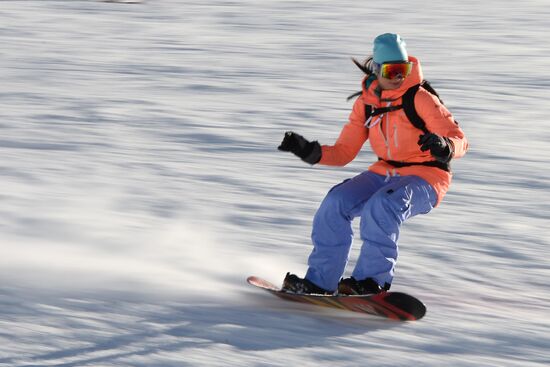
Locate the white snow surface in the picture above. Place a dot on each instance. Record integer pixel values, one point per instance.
(141, 184)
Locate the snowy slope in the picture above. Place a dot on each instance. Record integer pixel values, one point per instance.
(141, 183)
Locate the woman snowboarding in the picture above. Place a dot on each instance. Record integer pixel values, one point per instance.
(415, 137)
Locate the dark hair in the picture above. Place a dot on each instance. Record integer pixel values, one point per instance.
(367, 66)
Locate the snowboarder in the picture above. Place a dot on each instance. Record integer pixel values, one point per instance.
(410, 177)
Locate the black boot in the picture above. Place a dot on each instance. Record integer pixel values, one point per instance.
(295, 284)
(351, 286)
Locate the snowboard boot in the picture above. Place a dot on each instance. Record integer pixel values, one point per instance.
(295, 284)
(351, 286)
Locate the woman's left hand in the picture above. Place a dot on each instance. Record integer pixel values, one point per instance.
(440, 147)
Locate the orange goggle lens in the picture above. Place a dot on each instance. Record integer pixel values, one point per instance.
(392, 71)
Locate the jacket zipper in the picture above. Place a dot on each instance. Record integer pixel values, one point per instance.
(387, 136)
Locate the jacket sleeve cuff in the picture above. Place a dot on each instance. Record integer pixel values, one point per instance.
(316, 153)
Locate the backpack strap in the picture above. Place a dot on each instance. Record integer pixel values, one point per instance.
(381, 110)
(370, 112)
(407, 104)
(410, 109)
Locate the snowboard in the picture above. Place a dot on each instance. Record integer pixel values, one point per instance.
(392, 305)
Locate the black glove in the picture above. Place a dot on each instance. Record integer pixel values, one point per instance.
(440, 147)
(309, 152)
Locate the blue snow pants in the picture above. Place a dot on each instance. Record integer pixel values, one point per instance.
(383, 203)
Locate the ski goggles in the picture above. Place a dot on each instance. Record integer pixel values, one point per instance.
(390, 70)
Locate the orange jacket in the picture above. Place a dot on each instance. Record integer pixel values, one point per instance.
(393, 137)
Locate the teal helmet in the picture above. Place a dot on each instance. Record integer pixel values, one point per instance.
(389, 47)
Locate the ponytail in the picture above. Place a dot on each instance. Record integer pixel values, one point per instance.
(367, 66)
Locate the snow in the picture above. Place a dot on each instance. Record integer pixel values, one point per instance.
(141, 183)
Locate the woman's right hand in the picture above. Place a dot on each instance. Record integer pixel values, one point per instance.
(309, 152)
